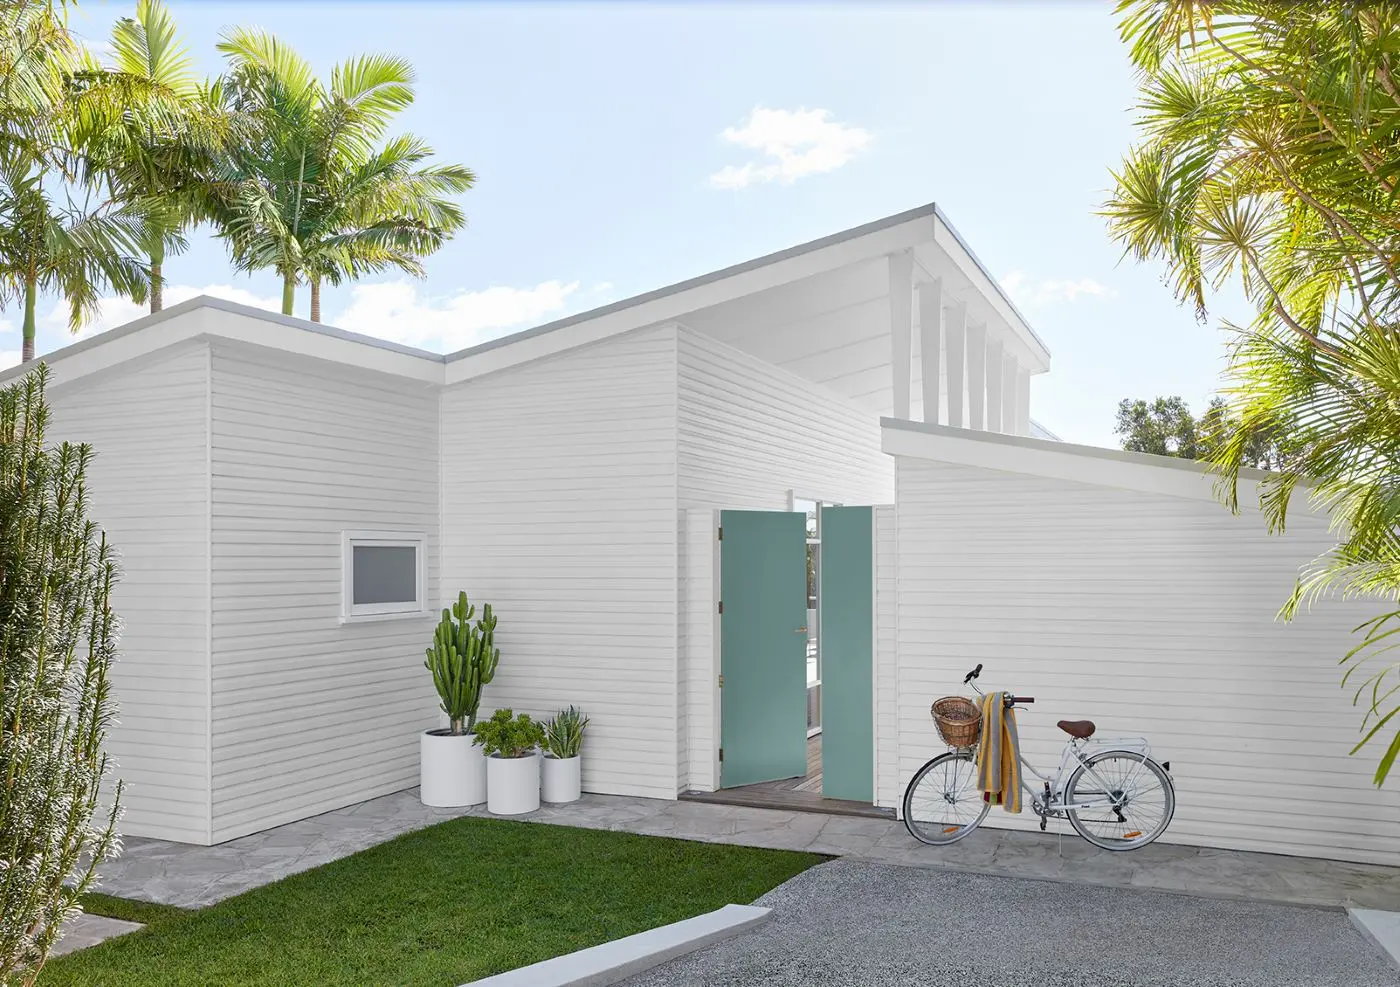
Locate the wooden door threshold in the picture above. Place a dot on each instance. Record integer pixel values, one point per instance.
(759, 797)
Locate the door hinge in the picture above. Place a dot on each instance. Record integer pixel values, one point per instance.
(721, 755)
(721, 534)
(721, 681)
(721, 606)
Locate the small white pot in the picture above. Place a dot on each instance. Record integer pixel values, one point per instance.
(512, 785)
(562, 778)
(451, 769)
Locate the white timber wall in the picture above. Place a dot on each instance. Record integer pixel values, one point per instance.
(886, 692)
(750, 434)
(1152, 614)
(148, 489)
(559, 508)
(309, 713)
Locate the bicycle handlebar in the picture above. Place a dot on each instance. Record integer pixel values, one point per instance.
(1013, 700)
(972, 674)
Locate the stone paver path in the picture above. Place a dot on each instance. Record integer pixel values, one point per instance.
(194, 876)
(89, 930)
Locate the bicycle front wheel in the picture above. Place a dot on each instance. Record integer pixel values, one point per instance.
(1120, 800)
(942, 803)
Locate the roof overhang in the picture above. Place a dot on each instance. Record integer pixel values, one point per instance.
(820, 310)
(1138, 471)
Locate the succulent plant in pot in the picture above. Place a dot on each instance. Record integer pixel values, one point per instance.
(563, 762)
(462, 661)
(511, 744)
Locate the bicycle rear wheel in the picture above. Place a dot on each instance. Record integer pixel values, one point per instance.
(942, 803)
(1130, 800)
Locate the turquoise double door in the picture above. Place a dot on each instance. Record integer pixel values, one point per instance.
(763, 649)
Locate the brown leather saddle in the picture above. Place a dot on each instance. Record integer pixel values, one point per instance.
(1079, 729)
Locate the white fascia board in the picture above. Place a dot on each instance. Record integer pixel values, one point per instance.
(205, 317)
(981, 279)
(1058, 460)
(675, 302)
(346, 349)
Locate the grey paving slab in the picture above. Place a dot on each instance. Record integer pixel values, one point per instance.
(89, 930)
(1382, 928)
(855, 922)
(194, 876)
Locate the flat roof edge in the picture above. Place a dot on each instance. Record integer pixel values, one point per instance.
(223, 305)
(1065, 448)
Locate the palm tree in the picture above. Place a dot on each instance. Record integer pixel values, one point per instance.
(1269, 142)
(307, 190)
(67, 248)
(154, 151)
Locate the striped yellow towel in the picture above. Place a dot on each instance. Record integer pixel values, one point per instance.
(998, 756)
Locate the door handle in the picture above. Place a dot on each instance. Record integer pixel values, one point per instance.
(800, 630)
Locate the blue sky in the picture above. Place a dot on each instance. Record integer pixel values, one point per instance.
(620, 148)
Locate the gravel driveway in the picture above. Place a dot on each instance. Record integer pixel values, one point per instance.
(856, 924)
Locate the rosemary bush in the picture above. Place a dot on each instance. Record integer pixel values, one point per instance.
(58, 640)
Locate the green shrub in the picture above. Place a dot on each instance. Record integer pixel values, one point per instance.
(508, 735)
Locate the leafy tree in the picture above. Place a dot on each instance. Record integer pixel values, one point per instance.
(57, 645)
(1163, 427)
(309, 187)
(1269, 152)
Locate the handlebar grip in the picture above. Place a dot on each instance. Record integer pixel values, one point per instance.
(1024, 699)
(973, 674)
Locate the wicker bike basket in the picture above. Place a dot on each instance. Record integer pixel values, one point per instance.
(959, 720)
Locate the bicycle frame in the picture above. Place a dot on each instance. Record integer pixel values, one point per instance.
(1076, 753)
(1050, 801)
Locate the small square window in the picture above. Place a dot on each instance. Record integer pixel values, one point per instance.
(383, 574)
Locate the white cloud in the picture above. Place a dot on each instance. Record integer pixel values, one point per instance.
(395, 310)
(1049, 291)
(115, 312)
(793, 144)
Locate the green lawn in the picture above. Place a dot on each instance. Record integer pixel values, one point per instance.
(441, 906)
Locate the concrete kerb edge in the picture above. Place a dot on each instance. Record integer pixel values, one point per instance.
(1381, 928)
(612, 962)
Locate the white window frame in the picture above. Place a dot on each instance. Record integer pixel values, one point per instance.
(349, 611)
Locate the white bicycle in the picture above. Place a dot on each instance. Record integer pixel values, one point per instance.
(1115, 796)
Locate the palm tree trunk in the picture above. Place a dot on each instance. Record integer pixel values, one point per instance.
(157, 282)
(315, 299)
(289, 293)
(31, 297)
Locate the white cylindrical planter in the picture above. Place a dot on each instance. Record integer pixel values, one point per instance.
(451, 769)
(562, 778)
(512, 785)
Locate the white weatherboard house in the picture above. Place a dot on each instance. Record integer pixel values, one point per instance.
(294, 503)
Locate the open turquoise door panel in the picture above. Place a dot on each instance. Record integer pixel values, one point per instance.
(848, 660)
(763, 646)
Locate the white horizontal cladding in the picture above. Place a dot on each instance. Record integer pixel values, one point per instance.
(1152, 614)
(559, 508)
(148, 488)
(1059, 460)
(750, 436)
(309, 712)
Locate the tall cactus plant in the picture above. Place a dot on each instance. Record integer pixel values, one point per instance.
(463, 660)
